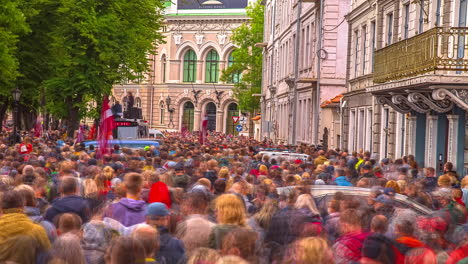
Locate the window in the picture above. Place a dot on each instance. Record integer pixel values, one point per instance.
(190, 66)
(389, 28)
(163, 73)
(235, 77)
(162, 110)
(462, 13)
(437, 18)
(307, 51)
(212, 67)
(356, 51)
(421, 16)
(230, 125)
(364, 49)
(352, 131)
(373, 28)
(188, 116)
(406, 21)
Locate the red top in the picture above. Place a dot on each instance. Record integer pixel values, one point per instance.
(25, 148)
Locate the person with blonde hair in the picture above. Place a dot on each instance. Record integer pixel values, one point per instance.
(203, 255)
(394, 185)
(310, 250)
(230, 213)
(464, 189)
(305, 201)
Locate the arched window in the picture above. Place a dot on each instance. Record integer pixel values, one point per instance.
(138, 102)
(162, 110)
(190, 66)
(163, 64)
(188, 115)
(235, 77)
(212, 67)
(211, 114)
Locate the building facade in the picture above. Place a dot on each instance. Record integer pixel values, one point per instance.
(305, 52)
(407, 80)
(184, 84)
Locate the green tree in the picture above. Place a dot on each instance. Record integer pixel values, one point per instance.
(12, 26)
(94, 45)
(247, 59)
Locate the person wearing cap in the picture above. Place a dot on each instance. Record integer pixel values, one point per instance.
(181, 179)
(383, 204)
(171, 249)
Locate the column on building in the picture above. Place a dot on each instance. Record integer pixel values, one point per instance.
(452, 142)
(220, 120)
(431, 141)
(196, 119)
(200, 76)
(412, 135)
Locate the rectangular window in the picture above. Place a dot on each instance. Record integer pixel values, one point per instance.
(369, 125)
(389, 28)
(352, 131)
(361, 129)
(161, 116)
(406, 21)
(307, 51)
(421, 17)
(364, 49)
(437, 22)
(373, 28)
(356, 51)
(302, 58)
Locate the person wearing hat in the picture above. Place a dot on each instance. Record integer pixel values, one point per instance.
(181, 179)
(383, 204)
(171, 249)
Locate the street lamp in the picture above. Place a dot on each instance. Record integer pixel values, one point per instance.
(16, 97)
(171, 111)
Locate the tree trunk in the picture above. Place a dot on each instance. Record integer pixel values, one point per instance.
(73, 117)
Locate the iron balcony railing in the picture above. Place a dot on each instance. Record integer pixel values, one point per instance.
(444, 49)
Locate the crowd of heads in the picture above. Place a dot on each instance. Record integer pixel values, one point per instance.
(224, 202)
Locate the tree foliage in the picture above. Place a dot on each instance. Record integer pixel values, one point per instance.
(95, 45)
(12, 26)
(247, 59)
(66, 54)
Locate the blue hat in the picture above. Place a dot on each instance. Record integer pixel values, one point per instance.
(383, 199)
(157, 209)
(389, 191)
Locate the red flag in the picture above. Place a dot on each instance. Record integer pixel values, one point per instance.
(38, 127)
(204, 130)
(92, 132)
(106, 125)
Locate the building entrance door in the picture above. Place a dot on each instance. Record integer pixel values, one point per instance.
(211, 115)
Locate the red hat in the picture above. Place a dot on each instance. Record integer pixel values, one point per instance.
(298, 161)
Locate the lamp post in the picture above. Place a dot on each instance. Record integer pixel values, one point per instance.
(16, 96)
(171, 112)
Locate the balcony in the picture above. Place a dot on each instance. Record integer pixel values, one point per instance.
(438, 50)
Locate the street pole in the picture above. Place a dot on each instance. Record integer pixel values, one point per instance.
(319, 65)
(15, 118)
(296, 74)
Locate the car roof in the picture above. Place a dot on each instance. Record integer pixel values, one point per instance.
(326, 190)
(125, 141)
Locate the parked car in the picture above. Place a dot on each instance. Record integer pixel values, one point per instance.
(154, 133)
(290, 156)
(132, 144)
(324, 193)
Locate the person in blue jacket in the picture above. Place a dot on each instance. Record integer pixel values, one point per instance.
(341, 179)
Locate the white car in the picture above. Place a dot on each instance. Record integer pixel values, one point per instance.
(154, 133)
(289, 156)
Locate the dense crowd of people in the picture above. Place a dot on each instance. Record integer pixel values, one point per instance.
(223, 202)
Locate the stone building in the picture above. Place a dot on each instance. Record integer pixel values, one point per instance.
(297, 61)
(184, 83)
(407, 80)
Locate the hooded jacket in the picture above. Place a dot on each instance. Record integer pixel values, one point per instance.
(342, 181)
(127, 211)
(35, 215)
(160, 193)
(347, 248)
(171, 249)
(69, 204)
(18, 232)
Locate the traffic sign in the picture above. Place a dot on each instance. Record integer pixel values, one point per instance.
(243, 120)
(235, 119)
(239, 128)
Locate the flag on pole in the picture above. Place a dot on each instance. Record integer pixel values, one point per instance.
(106, 125)
(184, 131)
(204, 130)
(38, 127)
